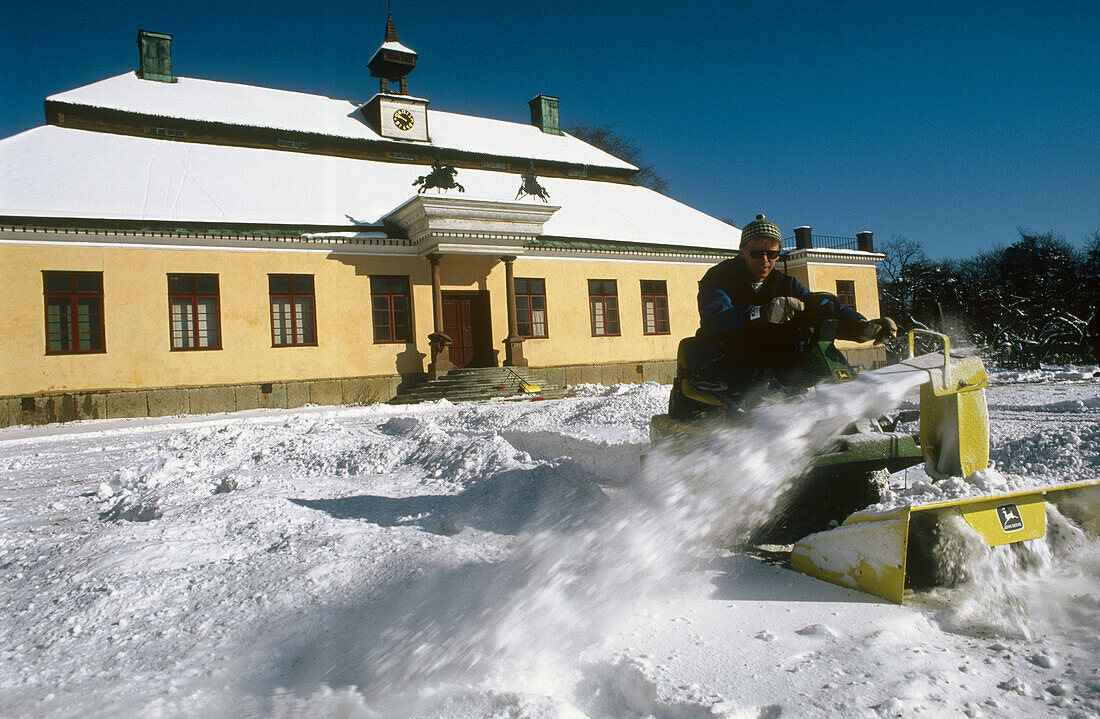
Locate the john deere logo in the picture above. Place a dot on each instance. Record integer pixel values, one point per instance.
(1010, 518)
(842, 375)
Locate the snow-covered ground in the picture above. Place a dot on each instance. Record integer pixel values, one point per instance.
(512, 559)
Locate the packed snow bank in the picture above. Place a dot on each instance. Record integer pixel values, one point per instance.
(917, 488)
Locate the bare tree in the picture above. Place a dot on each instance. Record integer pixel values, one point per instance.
(1090, 272)
(910, 285)
(901, 253)
(610, 141)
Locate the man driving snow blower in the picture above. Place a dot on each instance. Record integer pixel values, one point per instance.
(747, 342)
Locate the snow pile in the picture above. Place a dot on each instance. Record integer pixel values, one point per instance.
(1064, 454)
(1017, 590)
(218, 459)
(917, 488)
(511, 560)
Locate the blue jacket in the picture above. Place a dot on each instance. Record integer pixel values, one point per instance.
(726, 301)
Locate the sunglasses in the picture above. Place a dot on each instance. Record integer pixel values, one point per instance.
(757, 254)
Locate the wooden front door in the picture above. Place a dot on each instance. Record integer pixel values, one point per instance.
(464, 322)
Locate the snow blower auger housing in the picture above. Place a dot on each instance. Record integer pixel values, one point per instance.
(884, 553)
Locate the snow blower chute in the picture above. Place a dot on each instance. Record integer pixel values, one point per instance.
(884, 553)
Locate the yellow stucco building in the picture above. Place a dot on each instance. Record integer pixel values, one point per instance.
(172, 245)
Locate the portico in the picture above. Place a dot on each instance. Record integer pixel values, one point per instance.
(442, 226)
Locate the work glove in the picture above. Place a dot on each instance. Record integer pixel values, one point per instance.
(878, 330)
(782, 309)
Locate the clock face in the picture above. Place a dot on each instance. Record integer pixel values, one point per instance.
(403, 119)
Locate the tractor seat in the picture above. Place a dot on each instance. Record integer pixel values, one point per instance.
(683, 376)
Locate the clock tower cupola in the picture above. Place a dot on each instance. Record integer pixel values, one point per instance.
(393, 113)
(392, 62)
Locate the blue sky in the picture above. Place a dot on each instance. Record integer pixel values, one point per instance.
(950, 123)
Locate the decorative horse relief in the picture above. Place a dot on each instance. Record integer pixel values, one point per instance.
(442, 177)
(530, 186)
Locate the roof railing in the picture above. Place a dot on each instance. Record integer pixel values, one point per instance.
(804, 239)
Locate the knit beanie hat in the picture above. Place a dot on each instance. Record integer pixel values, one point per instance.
(760, 228)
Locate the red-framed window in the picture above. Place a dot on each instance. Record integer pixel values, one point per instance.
(603, 307)
(293, 314)
(531, 307)
(390, 304)
(74, 312)
(655, 307)
(194, 313)
(846, 293)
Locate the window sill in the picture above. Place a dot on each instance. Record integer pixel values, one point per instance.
(68, 353)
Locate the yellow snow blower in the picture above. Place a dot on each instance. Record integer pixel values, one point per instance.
(884, 553)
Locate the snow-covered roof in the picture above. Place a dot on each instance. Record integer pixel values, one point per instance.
(246, 105)
(54, 171)
(395, 45)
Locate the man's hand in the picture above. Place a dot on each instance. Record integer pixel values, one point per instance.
(878, 330)
(782, 309)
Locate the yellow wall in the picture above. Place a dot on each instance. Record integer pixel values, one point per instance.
(823, 277)
(570, 338)
(137, 331)
(136, 322)
(569, 330)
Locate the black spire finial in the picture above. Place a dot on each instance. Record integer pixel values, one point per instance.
(391, 29)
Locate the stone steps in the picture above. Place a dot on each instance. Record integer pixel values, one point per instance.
(471, 384)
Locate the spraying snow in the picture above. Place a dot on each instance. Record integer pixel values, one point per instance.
(582, 566)
(1017, 590)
